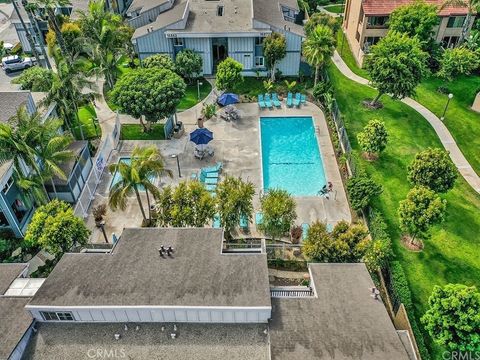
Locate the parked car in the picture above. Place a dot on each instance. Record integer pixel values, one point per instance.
(16, 63)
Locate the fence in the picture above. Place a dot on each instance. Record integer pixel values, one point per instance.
(100, 161)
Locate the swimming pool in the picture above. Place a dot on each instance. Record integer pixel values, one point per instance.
(117, 177)
(291, 158)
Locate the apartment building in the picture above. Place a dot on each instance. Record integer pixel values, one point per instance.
(366, 22)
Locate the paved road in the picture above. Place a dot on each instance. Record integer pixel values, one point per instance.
(463, 166)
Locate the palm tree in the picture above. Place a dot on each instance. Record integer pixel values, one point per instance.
(50, 6)
(146, 163)
(319, 47)
(473, 6)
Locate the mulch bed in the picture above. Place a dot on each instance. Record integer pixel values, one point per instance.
(415, 246)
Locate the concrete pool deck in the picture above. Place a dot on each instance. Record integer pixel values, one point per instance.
(237, 145)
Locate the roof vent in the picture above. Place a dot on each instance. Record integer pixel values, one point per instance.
(375, 293)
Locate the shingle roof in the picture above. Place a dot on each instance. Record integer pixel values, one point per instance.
(135, 274)
(8, 273)
(10, 101)
(270, 12)
(344, 322)
(164, 19)
(385, 7)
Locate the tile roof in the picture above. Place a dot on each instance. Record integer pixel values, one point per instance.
(385, 7)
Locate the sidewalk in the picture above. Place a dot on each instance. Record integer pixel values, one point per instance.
(463, 166)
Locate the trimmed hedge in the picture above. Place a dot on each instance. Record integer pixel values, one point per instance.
(402, 291)
(377, 226)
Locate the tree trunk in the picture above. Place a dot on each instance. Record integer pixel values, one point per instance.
(149, 208)
(375, 101)
(58, 34)
(317, 68)
(54, 188)
(27, 32)
(412, 239)
(140, 204)
(143, 124)
(272, 75)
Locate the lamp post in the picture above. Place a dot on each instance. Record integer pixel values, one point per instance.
(450, 97)
(199, 83)
(175, 156)
(102, 227)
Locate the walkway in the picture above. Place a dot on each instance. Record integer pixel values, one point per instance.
(463, 166)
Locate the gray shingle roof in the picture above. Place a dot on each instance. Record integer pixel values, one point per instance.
(166, 18)
(269, 12)
(134, 274)
(344, 322)
(10, 101)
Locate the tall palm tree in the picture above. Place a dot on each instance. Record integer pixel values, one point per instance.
(473, 6)
(146, 163)
(50, 7)
(319, 47)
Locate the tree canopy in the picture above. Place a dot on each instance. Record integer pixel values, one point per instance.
(374, 137)
(319, 47)
(35, 79)
(396, 65)
(274, 50)
(361, 190)
(278, 208)
(320, 18)
(55, 228)
(229, 73)
(458, 61)
(415, 19)
(153, 93)
(162, 61)
(453, 317)
(433, 168)
(188, 64)
(420, 210)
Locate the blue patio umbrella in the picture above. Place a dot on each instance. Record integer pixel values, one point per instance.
(201, 136)
(228, 99)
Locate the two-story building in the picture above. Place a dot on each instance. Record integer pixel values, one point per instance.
(217, 30)
(366, 22)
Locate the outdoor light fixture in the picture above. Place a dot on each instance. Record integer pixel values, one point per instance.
(175, 156)
(450, 97)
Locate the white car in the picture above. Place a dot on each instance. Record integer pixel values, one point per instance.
(16, 63)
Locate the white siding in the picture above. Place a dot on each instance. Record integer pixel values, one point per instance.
(145, 314)
(154, 43)
(202, 46)
(290, 64)
(242, 49)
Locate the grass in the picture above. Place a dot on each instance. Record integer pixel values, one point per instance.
(88, 118)
(451, 253)
(251, 86)
(191, 94)
(345, 52)
(135, 132)
(337, 9)
(463, 123)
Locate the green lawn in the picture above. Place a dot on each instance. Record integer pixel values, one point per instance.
(345, 52)
(89, 121)
(135, 132)
(337, 9)
(191, 95)
(451, 254)
(463, 123)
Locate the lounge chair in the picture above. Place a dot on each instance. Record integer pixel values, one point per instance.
(297, 100)
(261, 102)
(303, 99)
(204, 175)
(275, 101)
(194, 176)
(329, 228)
(210, 180)
(217, 168)
(243, 222)
(289, 100)
(258, 218)
(211, 187)
(305, 228)
(268, 102)
(216, 222)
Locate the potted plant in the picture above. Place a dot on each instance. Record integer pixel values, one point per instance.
(296, 234)
(209, 111)
(99, 213)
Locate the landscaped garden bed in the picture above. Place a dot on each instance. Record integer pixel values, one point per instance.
(135, 132)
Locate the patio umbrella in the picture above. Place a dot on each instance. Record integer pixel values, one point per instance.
(201, 136)
(228, 99)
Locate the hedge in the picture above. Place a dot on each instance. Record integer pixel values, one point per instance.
(377, 226)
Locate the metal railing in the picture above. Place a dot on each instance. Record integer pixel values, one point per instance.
(291, 291)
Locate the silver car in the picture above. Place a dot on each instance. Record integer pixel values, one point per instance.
(16, 63)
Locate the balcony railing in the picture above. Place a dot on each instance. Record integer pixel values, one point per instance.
(291, 292)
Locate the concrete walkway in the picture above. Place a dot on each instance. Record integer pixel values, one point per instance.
(463, 166)
(325, 10)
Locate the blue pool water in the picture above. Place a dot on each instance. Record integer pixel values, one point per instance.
(290, 155)
(117, 177)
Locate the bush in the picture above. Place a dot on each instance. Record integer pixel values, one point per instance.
(377, 226)
(361, 190)
(322, 88)
(188, 64)
(229, 74)
(162, 61)
(35, 79)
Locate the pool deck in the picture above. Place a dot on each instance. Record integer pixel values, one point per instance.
(237, 145)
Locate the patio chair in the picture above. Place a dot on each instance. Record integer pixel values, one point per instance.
(258, 218)
(303, 99)
(289, 100)
(297, 100)
(217, 168)
(243, 222)
(261, 102)
(329, 228)
(199, 154)
(275, 101)
(210, 181)
(268, 102)
(204, 175)
(216, 222)
(211, 187)
(194, 176)
(305, 228)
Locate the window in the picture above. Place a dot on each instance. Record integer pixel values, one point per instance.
(357, 36)
(8, 185)
(369, 42)
(456, 21)
(177, 41)
(450, 41)
(289, 14)
(259, 61)
(57, 316)
(258, 41)
(220, 10)
(377, 21)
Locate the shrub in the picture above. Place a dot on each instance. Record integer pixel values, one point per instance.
(458, 61)
(278, 208)
(374, 137)
(35, 79)
(162, 61)
(361, 190)
(229, 73)
(188, 64)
